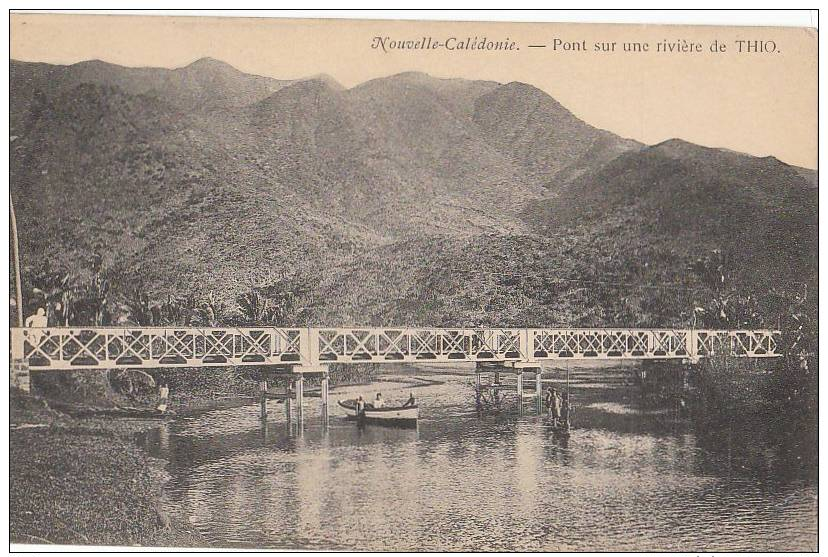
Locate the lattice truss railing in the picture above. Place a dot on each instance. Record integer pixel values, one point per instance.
(403, 344)
(651, 343)
(73, 348)
(753, 344)
(69, 348)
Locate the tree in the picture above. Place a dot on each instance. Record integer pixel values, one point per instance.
(92, 303)
(212, 312)
(179, 311)
(255, 309)
(140, 310)
(55, 291)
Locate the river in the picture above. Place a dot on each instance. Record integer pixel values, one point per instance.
(630, 476)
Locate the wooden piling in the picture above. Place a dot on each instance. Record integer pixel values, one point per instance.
(300, 394)
(520, 391)
(539, 391)
(324, 396)
(287, 403)
(263, 398)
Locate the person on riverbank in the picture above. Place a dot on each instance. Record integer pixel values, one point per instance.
(37, 321)
(378, 402)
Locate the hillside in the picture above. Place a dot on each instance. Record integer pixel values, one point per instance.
(762, 212)
(206, 84)
(406, 199)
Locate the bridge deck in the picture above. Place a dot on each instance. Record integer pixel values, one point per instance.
(151, 347)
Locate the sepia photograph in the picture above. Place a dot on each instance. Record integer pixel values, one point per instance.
(396, 285)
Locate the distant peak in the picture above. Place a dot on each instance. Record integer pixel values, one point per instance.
(209, 63)
(206, 60)
(313, 84)
(529, 94)
(521, 86)
(410, 77)
(413, 75)
(303, 88)
(680, 148)
(324, 79)
(676, 147)
(95, 63)
(673, 142)
(426, 78)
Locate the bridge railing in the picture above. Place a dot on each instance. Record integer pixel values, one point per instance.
(652, 343)
(60, 348)
(418, 344)
(105, 347)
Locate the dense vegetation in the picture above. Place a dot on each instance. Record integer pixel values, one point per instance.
(156, 196)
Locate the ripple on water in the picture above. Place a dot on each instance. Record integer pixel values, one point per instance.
(459, 482)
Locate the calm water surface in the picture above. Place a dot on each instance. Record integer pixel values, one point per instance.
(628, 478)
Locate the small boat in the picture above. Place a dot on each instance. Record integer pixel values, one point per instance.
(387, 415)
(350, 407)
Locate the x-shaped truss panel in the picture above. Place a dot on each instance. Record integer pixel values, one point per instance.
(111, 347)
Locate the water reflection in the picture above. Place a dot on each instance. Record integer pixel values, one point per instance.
(628, 478)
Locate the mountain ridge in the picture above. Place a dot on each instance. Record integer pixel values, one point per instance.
(199, 178)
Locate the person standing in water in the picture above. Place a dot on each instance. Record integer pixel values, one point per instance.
(556, 408)
(566, 408)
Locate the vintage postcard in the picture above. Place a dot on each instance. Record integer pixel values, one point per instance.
(378, 285)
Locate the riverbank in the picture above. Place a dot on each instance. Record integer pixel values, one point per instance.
(735, 401)
(84, 481)
(777, 398)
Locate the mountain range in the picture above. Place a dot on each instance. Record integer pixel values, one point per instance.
(406, 199)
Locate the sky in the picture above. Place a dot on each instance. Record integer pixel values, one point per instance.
(761, 103)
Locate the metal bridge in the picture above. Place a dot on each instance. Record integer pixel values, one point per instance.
(310, 349)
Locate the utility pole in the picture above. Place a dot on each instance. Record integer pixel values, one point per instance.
(16, 248)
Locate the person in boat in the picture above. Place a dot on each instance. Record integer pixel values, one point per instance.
(410, 402)
(360, 406)
(378, 402)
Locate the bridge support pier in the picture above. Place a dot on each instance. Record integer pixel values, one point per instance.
(19, 373)
(263, 398)
(520, 392)
(20, 377)
(324, 395)
(539, 391)
(287, 403)
(300, 399)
